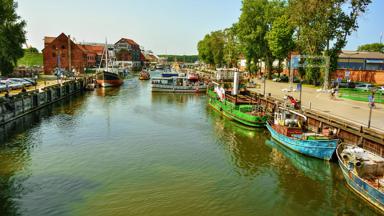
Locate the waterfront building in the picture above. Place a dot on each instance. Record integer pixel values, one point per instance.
(63, 52)
(361, 66)
(128, 53)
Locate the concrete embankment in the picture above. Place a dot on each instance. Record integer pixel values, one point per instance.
(16, 106)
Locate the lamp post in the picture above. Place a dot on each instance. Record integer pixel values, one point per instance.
(371, 99)
(264, 82)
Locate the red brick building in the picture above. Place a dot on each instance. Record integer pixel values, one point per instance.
(64, 53)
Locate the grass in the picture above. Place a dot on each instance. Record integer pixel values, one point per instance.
(360, 95)
(31, 59)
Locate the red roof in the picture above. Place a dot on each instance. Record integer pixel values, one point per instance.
(48, 40)
(129, 41)
(97, 49)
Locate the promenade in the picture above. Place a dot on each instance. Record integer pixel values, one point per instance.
(353, 111)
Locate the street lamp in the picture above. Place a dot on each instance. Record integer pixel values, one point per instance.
(371, 99)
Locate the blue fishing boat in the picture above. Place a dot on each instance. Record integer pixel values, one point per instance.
(363, 172)
(289, 128)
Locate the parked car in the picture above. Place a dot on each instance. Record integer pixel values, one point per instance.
(381, 88)
(22, 81)
(32, 81)
(2, 87)
(12, 84)
(364, 86)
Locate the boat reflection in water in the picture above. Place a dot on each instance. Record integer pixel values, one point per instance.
(241, 143)
(311, 167)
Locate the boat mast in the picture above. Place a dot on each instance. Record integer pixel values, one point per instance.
(106, 55)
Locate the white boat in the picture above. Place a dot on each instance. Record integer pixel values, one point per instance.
(177, 85)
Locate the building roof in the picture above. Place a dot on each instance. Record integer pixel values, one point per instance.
(361, 55)
(129, 41)
(97, 49)
(48, 40)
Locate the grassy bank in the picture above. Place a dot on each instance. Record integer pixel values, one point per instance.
(31, 59)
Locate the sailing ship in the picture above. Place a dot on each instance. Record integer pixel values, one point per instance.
(289, 128)
(107, 77)
(364, 173)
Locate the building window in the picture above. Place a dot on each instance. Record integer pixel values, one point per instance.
(63, 47)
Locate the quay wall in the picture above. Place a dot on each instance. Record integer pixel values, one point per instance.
(16, 106)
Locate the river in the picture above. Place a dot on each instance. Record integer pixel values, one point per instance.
(127, 151)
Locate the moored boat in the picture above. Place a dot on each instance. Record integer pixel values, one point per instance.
(289, 128)
(144, 75)
(241, 108)
(108, 78)
(177, 85)
(363, 172)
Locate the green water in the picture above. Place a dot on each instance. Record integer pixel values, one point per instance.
(130, 152)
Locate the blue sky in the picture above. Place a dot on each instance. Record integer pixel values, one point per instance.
(164, 26)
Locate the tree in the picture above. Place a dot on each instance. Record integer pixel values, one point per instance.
(322, 27)
(373, 47)
(255, 21)
(211, 48)
(231, 47)
(12, 36)
(280, 39)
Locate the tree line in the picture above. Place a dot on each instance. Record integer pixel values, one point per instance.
(181, 58)
(269, 30)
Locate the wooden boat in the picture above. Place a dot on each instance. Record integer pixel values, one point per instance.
(289, 128)
(364, 173)
(177, 85)
(240, 108)
(144, 75)
(107, 78)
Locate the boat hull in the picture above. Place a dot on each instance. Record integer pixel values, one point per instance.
(322, 149)
(178, 89)
(234, 114)
(108, 79)
(359, 186)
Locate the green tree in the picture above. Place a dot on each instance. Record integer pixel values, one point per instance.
(254, 23)
(12, 36)
(322, 27)
(231, 47)
(373, 47)
(211, 48)
(280, 39)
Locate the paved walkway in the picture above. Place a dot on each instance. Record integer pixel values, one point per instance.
(40, 84)
(354, 111)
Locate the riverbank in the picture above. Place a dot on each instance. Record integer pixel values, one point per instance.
(18, 104)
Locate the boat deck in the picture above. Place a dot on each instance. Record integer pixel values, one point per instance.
(241, 99)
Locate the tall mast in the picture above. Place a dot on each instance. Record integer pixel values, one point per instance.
(106, 55)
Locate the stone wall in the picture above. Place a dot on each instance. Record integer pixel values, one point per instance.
(18, 105)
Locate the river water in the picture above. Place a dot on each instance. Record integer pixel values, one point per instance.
(127, 151)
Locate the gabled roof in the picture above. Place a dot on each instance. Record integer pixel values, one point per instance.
(97, 49)
(127, 40)
(48, 40)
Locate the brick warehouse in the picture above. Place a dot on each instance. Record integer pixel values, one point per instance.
(57, 51)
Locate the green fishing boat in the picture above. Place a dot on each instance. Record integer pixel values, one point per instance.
(241, 108)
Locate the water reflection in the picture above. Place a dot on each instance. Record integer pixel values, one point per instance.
(313, 168)
(18, 139)
(242, 143)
